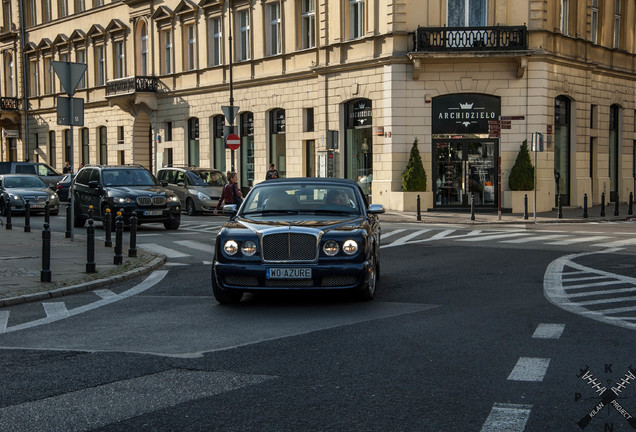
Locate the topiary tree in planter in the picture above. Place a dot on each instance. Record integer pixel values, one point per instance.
(414, 176)
(522, 173)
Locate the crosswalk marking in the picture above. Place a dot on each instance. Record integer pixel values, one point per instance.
(392, 233)
(604, 292)
(406, 238)
(4, 319)
(607, 300)
(617, 310)
(170, 253)
(618, 243)
(529, 369)
(505, 417)
(203, 247)
(55, 309)
(105, 293)
(548, 331)
(533, 239)
(493, 237)
(577, 240)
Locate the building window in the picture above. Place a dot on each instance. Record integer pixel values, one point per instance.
(8, 73)
(244, 36)
(247, 149)
(49, 77)
(98, 3)
(103, 145)
(120, 134)
(81, 58)
(6, 14)
(85, 147)
(52, 149)
(214, 41)
(169, 131)
(191, 50)
(274, 29)
(308, 24)
(143, 49)
(467, 13)
(62, 8)
(119, 59)
(562, 147)
(218, 124)
(277, 145)
(46, 10)
(614, 151)
(31, 10)
(67, 146)
(308, 120)
(100, 71)
(594, 117)
(80, 6)
(193, 141)
(35, 78)
(356, 18)
(617, 23)
(167, 51)
(594, 26)
(564, 20)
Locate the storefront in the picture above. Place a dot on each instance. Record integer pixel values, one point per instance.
(464, 154)
(358, 144)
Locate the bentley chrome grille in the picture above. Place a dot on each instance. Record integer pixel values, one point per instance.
(289, 246)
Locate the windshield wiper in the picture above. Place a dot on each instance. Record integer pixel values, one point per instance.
(271, 212)
(338, 212)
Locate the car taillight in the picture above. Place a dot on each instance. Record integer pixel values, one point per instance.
(59, 187)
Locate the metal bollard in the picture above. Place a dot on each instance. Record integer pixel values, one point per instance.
(45, 274)
(27, 217)
(616, 205)
(90, 212)
(472, 206)
(631, 202)
(603, 204)
(107, 228)
(9, 224)
(47, 212)
(68, 220)
(419, 211)
(119, 230)
(525, 206)
(585, 206)
(90, 247)
(132, 251)
(560, 208)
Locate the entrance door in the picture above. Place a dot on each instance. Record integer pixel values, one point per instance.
(465, 168)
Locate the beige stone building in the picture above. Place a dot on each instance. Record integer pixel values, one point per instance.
(335, 88)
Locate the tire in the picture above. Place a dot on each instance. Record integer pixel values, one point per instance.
(173, 223)
(190, 208)
(369, 288)
(222, 296)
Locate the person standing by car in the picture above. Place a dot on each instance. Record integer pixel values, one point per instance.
(67, 168)
(271, 173)
(231, 194)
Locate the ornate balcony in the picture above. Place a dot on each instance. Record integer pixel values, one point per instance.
(448, 39)
(136, 90)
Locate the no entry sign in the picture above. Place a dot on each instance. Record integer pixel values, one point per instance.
(233, 142)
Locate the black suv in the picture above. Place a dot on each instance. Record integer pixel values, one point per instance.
(132, 189)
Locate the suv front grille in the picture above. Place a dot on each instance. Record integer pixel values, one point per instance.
(155, 201)
(289, 247)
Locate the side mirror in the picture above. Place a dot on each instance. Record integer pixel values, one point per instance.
(93, 184)
(229, 209)
(164, 183)
(376, 209)
(181, 184)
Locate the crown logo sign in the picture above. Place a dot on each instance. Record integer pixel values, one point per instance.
(465, 105)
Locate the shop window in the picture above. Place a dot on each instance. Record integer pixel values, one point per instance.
(359, 143)
(247, 150)
(218, 124)
(102, 133)
(277, 144)
(193, 141)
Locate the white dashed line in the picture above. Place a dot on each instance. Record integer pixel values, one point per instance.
(529, 369)
(105, 293)
(55, 309)
(4, 319)
(170, 253)
(507, 418)
(548, 331)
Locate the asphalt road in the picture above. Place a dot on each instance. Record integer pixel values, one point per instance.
(461, 337)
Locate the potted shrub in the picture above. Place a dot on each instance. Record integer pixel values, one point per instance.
(414, 184)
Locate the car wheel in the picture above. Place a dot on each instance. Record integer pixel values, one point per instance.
(368, 290)
(173, 223)
(190, 208)
(222, 296)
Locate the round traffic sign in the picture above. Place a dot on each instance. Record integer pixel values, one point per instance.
(233, 142)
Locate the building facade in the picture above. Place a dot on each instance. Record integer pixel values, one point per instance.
(336, 88)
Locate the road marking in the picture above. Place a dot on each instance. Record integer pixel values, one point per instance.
(593, 293)
(55, 309)
(175, 264)
(577, 240)
(618, 243)
(548, 331)
(4, 319)
(203, 247)
(406, 238)
(507, 418)
(594, 284)
(154, 278)
(170, 253)
(537, 238)
(104, 293)
(529, 369)
(108, 404)
(389, 234)
(618, 310)
(494, 237)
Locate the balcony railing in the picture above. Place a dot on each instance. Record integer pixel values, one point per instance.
(447, 39)
(9, 104)
(147, 84)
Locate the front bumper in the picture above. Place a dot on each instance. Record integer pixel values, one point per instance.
(149, 215)
(252, 277)
(19, 206)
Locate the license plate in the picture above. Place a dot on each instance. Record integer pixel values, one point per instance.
(153, 212)
(288, 273)
(37, 205)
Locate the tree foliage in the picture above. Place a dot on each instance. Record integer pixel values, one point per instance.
(522, 172)
(414, 176)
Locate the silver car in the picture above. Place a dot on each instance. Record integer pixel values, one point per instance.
(20, 188)
(199, 189)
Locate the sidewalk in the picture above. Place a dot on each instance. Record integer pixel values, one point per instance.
(21, 253)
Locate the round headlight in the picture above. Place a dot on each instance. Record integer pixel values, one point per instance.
(248, 248)
(350, 247)
(330, 247)
(230, 247)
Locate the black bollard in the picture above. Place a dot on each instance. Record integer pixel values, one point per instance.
(90, 212)
(132, 251)
(47, 212)
(603, 204)
(631, 202)
(472, 206)
(585, 206)
(68, 220)
(525, 206)
(90, 247)
(45, 274)
(27, 217)
(119, 230)
(107, 228)
(560, 208)
(616, 205)
(9, 224)
(419, 211)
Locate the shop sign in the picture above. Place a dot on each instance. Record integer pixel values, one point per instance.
(10, 133)
(464, 113)
(360, 114)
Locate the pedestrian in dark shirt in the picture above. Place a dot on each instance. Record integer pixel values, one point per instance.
(231, 194)
(271, 173)
(67, 168)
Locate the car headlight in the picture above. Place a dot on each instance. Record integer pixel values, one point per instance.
(330, 247)
(230, 247)
(203, 197)
(122, 200)
(350, 247)
(248, 248)
(173, 199)
(15, 197)
(53, 197)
